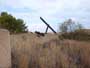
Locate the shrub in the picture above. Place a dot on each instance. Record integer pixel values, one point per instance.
(77, 35)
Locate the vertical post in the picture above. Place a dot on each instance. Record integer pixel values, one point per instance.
(46, 30)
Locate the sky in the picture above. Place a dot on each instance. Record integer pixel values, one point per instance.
(54, 12)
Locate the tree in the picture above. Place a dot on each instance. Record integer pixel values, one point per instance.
(74, 31)
(12, 24)
(70, 26)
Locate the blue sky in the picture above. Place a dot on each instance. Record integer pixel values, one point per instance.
(53, 11)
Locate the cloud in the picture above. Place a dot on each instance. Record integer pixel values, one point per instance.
(53, 11)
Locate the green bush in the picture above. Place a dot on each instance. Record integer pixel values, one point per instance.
(7, 21)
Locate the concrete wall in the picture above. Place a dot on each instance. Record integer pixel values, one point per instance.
(5, 50)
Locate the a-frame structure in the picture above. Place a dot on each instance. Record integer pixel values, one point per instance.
(48, 26)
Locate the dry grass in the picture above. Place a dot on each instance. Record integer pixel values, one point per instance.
(30, 51)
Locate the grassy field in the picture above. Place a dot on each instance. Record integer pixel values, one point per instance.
(31, 51)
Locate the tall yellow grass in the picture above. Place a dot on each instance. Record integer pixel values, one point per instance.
(30, 51)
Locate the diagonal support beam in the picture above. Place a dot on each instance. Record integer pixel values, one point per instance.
(48, 25)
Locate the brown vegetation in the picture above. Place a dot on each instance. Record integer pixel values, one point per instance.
(80, 35)
(30, 51)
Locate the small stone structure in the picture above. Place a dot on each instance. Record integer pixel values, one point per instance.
(5, 50)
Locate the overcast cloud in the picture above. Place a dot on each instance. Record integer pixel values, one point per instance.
(53, 11)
